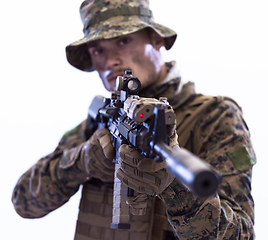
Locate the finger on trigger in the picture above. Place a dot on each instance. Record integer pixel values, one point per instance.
(104, 138)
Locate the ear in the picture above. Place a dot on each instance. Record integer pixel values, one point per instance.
(156, 40)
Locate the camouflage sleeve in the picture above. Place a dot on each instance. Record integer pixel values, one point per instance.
(53, 179)
(221, 138)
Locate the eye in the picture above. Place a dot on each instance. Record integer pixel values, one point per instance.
(96, 51)
(124, 41)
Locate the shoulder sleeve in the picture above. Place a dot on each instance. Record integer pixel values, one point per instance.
(47, 185)
(222, 139)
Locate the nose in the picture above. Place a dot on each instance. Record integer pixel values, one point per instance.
(112, 59)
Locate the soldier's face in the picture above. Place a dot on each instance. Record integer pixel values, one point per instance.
(139, 52)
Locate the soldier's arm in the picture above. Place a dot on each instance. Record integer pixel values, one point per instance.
(225, 144)
(52, 180)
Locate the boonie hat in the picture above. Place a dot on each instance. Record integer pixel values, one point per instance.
(105, 19)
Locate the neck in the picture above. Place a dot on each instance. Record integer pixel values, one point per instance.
(161, 76)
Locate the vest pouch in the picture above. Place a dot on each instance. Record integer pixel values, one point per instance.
(95, 216)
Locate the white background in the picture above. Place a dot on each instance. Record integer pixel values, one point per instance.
(221, 46)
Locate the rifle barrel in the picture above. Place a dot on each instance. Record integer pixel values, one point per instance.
(189, 170)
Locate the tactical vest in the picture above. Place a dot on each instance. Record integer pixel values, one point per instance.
(95, 210)
(95, 217)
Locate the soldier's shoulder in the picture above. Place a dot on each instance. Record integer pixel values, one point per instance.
(75, 136)
(221, 105)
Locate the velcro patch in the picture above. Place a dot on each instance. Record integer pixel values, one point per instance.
(241, 158)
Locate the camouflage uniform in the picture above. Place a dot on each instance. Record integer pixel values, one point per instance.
(219, 136)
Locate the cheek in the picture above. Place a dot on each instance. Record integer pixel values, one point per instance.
(147, 66)
(107, 86)
(145, 58)
(97, 64)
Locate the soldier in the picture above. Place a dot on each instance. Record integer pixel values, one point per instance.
(120, 35)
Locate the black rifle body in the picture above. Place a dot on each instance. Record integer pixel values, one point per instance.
(142, 123)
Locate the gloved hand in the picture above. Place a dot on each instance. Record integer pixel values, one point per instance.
(97, 156)
(144, 175)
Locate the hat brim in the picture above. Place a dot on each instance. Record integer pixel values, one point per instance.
(77, 52)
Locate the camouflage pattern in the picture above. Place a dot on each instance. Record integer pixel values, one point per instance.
(53, 179)
(105, 19)
(220, 137)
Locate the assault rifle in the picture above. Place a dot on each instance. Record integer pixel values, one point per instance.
(142, 123)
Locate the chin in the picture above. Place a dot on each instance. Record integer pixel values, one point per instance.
(111, 86)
